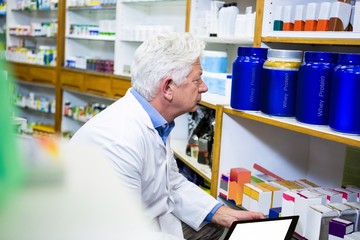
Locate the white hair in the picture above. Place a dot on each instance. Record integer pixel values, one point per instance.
(165, 55)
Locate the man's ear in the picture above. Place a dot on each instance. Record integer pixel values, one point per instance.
(166, 87)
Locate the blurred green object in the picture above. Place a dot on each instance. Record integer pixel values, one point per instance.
(11, 169)
(351, 174)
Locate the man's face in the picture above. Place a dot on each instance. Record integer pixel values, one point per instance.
(188, 95)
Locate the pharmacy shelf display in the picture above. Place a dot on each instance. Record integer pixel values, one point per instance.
(276, 8)
(180, 145)
(90, 36)
(265, 138)
(78, 108)
(35, 103)
(31, 33)
(281, 144)
(215, 97)
(138, 20)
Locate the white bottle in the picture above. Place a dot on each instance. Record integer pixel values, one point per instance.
(233, 11)
(222, 21)
(214, 17)
(250, 22)
(240, 25)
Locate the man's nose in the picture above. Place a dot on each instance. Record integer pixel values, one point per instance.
(203, 87)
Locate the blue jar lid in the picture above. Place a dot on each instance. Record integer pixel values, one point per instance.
(349, 58)
(321, 57)
(252, 51)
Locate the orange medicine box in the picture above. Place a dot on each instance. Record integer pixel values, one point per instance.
(299, 19)
(288, 24)
(238, 177)
(311, 17)
(324, 17)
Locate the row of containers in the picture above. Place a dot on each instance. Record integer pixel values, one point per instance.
(318, 88)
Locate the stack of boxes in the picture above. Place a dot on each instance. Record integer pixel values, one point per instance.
(342, 15)
(324, 213)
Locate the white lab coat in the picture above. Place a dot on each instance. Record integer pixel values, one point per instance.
(147, 166)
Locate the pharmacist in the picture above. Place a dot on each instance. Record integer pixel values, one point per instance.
(133, 133)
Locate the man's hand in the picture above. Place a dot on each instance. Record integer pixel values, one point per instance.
(225, 216)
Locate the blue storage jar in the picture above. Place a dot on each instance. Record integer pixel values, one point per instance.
(279, 82)
(344, 113)
(314, 86)
(246, 78)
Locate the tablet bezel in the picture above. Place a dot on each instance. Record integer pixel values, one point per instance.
(289, 234)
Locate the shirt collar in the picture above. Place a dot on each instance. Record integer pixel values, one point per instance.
(158, 121)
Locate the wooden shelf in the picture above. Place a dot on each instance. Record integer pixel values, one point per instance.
(317, 41)
(44, 75)
(77, 79)
(31, 65)
(208, 104)
(36, 84)
(68, 89)
(179, 148)
(84, 71)
(292, 124)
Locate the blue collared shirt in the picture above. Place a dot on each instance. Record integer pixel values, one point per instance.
(164, 129)
(158, 121)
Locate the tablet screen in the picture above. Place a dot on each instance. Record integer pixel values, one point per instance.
(270, 229)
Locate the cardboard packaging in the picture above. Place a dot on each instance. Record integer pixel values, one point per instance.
(300, 16)
(347, 195)
(306, 183)
(224, 186)
(331, 196)
(311, 16)
(288, 203)
(339, 16)
(317, 222)
(324, 17)
(288, 24)
(338, 228)
(354, 189)
(345, 211)
(238, 177)
(275, 212)
(276, 194)
(356, 207)
(256, 198)
(356, 17)
(302, 203)
(352, 236)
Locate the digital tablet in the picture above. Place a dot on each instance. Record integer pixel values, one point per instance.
(269, 228)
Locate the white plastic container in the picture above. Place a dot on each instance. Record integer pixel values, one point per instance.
(219, 85)
(214, 61)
